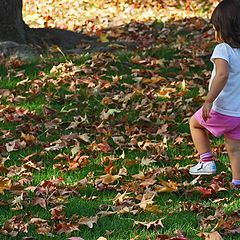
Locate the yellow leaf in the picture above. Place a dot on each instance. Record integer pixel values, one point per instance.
(103, 38)
(154, 208)
(5, 184)
(219, 224)
(153, 80)
(28, 138)
(169, 186)
(183, 85)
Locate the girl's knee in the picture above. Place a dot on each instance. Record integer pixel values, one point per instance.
(193, 122)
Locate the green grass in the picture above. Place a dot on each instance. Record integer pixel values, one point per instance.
(134, 113)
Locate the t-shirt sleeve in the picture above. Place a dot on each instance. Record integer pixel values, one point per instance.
(220, 51)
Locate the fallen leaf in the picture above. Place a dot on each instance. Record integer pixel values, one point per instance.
(213, 236)
(169, 186)
(66, 228)
(147, 199)
(103, 38)
(5, 184)
(153, 224)
(89, 221)
(108, 178)
(28, 138)
(40, 201)
(75, 238)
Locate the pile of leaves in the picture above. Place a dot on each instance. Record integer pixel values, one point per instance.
(111, 123)
(94, 16)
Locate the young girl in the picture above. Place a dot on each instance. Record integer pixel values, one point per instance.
(220, 113)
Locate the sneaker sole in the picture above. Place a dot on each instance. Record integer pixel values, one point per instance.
(203, 173)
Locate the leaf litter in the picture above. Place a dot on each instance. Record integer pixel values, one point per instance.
(135, 111)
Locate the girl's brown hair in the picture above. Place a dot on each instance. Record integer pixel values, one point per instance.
(226, 20)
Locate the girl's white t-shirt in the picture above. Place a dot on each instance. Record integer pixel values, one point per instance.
(228, 101)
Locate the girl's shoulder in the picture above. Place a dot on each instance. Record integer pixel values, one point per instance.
(226, 48)
(221, 49)
(222, 45)
(225, 51)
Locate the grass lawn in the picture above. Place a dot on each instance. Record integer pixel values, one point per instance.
(98, 145)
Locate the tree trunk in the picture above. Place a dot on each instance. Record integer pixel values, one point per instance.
(12, 26)
(14, 29)
(15, 34)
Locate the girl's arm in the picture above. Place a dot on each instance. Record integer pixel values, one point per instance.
(218, 83)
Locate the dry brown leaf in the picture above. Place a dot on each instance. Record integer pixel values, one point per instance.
(28, 138)
(89, 221)
(108, 178)
(147, 200)
(153, 80)
(84, 137)
(123, 172)
(78, 161)
(66, 228)
(3, 169)
(148, 182)
(75, 238)
(153, 224)
(213, 236)
(15, 145)
(40, 201)
(57, 213)
(5, 92)
(118, 200)
(140, 176)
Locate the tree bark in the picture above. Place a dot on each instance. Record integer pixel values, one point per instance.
(15, 34)
(12, 26)
(14, 29)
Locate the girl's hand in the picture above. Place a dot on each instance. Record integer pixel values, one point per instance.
(207, 106)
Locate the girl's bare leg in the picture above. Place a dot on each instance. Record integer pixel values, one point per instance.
(233, 149)
(199, 136)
